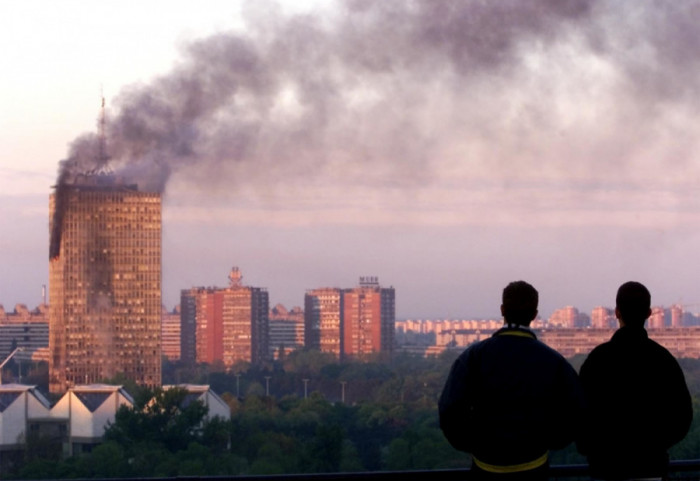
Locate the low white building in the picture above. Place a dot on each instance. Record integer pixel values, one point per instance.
(19, 405)
(88, 411)
(217, 406)
(77, 422)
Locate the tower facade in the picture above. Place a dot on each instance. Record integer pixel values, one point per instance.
(322, 320)
(368, 319)
(603, 318)
(104, 284)
(352, 322)
(170, 334)
(286, 330)
(225, 324)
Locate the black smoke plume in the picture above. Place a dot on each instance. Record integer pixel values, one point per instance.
(389, 83)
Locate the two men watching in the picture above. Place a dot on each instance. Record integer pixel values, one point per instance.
(510, 399)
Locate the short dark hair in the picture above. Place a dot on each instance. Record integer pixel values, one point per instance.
(633, 302)
(520, 301)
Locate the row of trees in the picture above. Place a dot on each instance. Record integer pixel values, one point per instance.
(387, 422)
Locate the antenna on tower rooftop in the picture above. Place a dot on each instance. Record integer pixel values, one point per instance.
(235, 277)
(101, 166)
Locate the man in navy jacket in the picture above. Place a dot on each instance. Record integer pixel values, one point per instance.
(509, 399)
(638, 404)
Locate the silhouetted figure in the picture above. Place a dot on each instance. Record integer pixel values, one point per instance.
(638, 404)
(510, 399)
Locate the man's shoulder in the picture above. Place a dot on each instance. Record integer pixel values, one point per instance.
(602, 349)
(554, 355)
(469, 351)
(600, 354)
(660, 351)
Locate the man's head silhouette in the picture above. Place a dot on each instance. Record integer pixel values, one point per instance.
(633, 304)
(519, 303)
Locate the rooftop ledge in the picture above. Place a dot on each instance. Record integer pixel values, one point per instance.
(563, 472)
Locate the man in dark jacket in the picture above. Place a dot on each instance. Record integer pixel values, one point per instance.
(638, 404)
(509, 399)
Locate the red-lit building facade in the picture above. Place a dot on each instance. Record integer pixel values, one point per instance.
(224, 324)
(351, 322)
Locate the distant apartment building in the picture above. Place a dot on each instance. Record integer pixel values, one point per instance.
(657, 320)
(351, 322)
(433, 337)
(568, 317)
(322, 327)
(286, 330)
(369, 313)
(676, 314)
(104, 283)
(25, 329)
(22, 315)
(170, 329)
(225, 324)
(603, 318)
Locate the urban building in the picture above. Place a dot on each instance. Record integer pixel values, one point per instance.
(433, 337)
(216, 407)
(567, 317)
(322, 327)
(351, 322)
(286, 330)
(22, 315)
(676, 314)
(657, 320)
(104, 283)
(25, 329)
(170, 334)
(19, 402)
(603, 318)
(188, 324)
(368, 316)
(78, 420)
(225, 324)
(88, 410)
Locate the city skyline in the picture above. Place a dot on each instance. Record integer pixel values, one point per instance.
(466, 146)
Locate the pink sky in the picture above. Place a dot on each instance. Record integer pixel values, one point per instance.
(447, 152)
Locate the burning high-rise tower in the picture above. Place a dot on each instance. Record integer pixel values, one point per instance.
(104, 283)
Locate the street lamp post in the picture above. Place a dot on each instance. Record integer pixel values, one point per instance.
(306, 385)
(342, 392)
(267, 386)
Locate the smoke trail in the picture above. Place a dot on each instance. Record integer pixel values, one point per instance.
(394, 84)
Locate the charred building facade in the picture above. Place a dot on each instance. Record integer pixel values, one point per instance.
(104, 283)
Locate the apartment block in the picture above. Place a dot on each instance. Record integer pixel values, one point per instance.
(170, 334)
(286, 330)
(225, 324)
(322, 326)
(26, 329)
(603, 318)
(368, 319)
(353, 322)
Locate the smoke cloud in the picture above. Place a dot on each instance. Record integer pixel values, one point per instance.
(568, 90)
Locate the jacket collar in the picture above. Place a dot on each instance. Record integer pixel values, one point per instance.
(515, 330)
(628, 333)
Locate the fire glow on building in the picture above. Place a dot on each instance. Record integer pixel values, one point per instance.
(104, 277)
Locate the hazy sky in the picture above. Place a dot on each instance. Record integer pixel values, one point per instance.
(445, 147)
